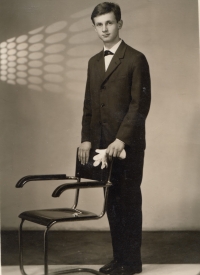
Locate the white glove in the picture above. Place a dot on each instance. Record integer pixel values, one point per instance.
(101, 157)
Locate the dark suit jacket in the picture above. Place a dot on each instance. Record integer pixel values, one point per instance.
(117, 101)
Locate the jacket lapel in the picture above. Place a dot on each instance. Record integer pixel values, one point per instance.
(101, 65)
(116, 60)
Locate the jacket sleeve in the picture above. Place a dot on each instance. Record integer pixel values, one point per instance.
(87, 112)
(140, 101)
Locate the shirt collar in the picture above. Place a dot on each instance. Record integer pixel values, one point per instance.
(114, 48)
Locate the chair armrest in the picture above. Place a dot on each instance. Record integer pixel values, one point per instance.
(89, 184)
(26, 179)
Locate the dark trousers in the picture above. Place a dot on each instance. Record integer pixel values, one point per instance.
(124, 208)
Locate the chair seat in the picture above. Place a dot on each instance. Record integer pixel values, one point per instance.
(47, 216)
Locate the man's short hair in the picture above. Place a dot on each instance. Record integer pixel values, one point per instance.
(106, 7)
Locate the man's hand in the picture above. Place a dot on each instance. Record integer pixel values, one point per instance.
(84, 152)
(115, 149)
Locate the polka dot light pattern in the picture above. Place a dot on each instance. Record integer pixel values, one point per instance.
(50, 58)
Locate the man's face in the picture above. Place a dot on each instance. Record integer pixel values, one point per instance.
(107, 28)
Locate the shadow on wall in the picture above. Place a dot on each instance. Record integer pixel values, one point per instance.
(54, 58)
(50, 58)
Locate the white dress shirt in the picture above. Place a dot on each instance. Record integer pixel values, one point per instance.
(108, 58)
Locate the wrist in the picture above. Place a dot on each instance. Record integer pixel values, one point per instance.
(120, 140)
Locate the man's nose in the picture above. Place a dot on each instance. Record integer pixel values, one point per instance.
(104, 28)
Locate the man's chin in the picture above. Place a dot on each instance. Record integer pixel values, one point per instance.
(105, 39)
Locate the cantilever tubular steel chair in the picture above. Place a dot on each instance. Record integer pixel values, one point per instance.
(49, 217)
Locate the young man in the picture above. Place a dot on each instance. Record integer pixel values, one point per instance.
(117, 101)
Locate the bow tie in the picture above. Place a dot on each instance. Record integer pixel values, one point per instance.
(108, 53)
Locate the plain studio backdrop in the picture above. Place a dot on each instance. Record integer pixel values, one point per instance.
(45, 47)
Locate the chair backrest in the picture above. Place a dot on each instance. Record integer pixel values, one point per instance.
(89, 171)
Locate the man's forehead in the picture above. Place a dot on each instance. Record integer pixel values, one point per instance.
(104, 17)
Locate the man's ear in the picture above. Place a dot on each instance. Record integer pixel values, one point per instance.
(120, 24)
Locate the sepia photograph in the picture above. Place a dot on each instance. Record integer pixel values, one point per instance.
(100, 137)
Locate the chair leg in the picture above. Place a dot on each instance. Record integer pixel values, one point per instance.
(21, 249)
(79, 270)
(46, 255)
(46, 247)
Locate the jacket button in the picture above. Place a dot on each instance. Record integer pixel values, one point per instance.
(102, 105)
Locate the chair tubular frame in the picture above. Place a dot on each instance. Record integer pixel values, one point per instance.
(57, 192)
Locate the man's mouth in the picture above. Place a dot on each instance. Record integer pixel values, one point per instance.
(106, 35)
